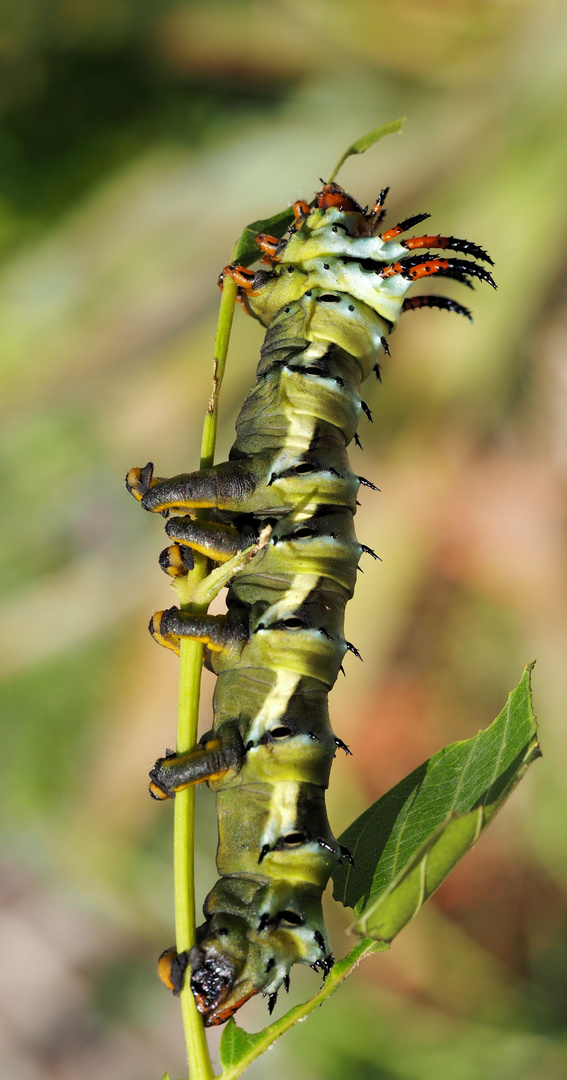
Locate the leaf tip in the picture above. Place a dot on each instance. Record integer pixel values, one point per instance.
(366, 141)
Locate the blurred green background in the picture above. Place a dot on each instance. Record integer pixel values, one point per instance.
(137, 138)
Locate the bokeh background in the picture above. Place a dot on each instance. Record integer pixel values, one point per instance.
(137, 138)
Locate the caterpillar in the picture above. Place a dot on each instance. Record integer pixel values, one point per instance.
(329, 297)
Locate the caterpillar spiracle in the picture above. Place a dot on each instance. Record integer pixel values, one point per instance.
(332, 294)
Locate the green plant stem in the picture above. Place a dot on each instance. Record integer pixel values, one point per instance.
(191, 661)
(251, 1046)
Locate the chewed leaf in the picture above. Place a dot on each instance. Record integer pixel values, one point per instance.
(366, 141)
(410, 839)
(247, 250)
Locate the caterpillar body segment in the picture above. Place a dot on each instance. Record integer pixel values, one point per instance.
(333, 292)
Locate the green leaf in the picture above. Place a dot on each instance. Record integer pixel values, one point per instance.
(237, 1044)
(238, 1048)
(407, 842)
(405, 845)
(247, 250)
(366, 141)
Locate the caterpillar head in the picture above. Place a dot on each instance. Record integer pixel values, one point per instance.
(237, 956)
(220, 989)
(221, 985)
(214, 966)
(333, 195)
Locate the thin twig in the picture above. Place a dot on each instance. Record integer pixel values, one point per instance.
(191, 661)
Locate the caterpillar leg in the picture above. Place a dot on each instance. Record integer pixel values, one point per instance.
(171, 968)
(176, 560)
(215, 540)
(138, 481)
(269, 246)
(226, 487)
(218, 542)
(211, 760)
(243, 277)
(300, 212)
(214, 631)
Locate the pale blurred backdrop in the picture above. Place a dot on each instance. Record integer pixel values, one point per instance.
(137, 138)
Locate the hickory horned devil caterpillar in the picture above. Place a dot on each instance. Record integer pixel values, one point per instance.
(329, 297)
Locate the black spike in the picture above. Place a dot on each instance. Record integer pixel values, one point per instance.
(366, 410)
(272, 998)
(286, 983)
(343, 746)
(357, 440)
(264, 851)
(319, 939)
(367, 483)
(456, 268)
(328, 847)
(385, 346)
(368, 551)
(351, 648)
(346, 854)
(466, 247)
(408, 223)
(378, 372)
(327, 965)
(264, 922)
(381, 200)
(431, 300)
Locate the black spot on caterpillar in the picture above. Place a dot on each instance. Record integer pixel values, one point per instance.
(333, 294)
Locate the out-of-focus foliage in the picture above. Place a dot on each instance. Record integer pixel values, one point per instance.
(136, 140)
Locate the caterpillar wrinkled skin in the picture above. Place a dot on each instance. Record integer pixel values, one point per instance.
(332, 294)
